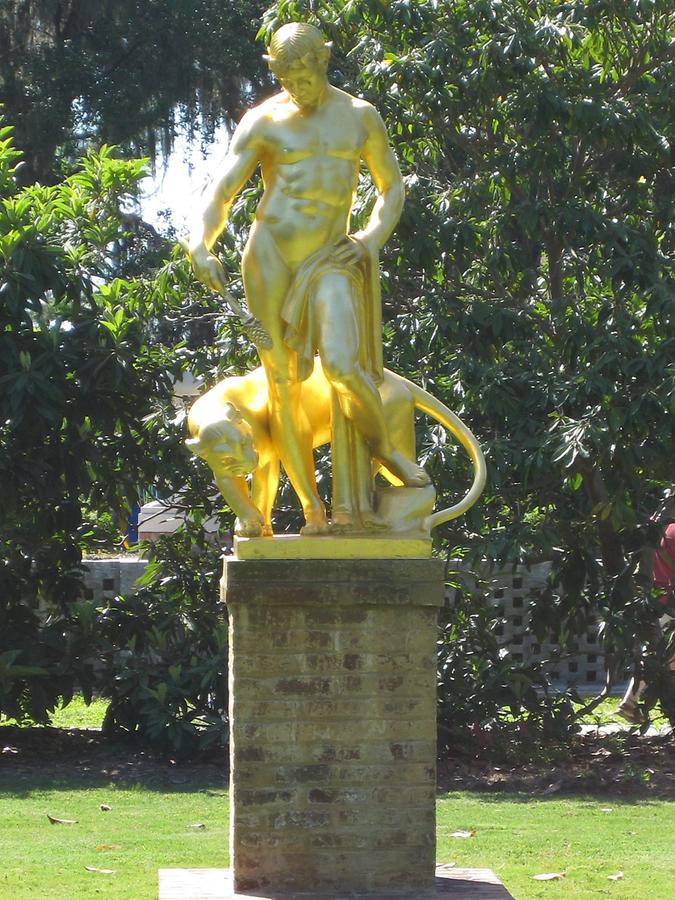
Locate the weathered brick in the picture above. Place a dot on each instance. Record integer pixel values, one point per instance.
(335, 753)
(248, 664)
(360, 839)
(414, 769)
(253, 839)
(265, 733)
(372, 686)
(333, 723)
(377, 729)
(415, 819)
(300, 819)
(315, 773)
(359, 783)
(335, 707)
(277, 710)
(250, 753)
(302, 685)
(261, 797)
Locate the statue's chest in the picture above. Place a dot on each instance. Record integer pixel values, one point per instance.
(305, 140)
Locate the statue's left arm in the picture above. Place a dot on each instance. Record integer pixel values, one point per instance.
(383, 167)
(386, 175)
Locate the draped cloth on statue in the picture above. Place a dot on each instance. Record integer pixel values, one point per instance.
(297, 309)
(352, 501)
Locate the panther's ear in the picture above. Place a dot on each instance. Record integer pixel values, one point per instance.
(231, 413)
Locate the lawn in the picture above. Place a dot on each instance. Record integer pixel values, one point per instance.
(622, 822)
(144, 830)
(586, 838)
(76, 715)
(152, 826)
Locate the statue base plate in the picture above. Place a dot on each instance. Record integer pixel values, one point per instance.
(405, 545)
(216, 884)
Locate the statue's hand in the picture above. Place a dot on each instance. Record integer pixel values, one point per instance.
(209, 270)
(352, 250)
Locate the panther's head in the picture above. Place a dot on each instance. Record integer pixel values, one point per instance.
(226, 443)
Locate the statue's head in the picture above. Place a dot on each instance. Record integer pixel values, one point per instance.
(298, 57)
(226, 443)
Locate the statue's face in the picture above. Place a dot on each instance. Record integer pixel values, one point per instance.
(304, 82)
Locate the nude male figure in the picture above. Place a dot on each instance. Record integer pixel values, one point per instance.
(309, 141)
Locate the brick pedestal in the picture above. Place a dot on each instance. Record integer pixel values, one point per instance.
(333, 723)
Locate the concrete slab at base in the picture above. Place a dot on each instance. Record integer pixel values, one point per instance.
(216, 884)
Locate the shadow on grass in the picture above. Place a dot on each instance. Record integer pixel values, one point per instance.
(627, 771)
(34, 759)
(26, 786)
(524, 798)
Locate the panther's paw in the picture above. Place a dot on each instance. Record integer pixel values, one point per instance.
(248, 528)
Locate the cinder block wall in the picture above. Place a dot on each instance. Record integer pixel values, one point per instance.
(107, 577)
(512, 594)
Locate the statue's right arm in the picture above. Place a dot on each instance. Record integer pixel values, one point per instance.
(240, 163)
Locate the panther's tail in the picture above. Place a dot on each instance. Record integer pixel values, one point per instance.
(425, 403)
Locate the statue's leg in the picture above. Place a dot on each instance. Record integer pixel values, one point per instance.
(266, 280)
(345, 513)
(337, 337)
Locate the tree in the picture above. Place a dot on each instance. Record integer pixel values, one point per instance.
(78, 73)
(98, 314)
(85, 405)
(527, 287)
(529, 284)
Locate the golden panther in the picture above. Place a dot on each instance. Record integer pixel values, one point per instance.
(229, 428)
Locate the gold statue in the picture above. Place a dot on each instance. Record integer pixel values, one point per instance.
(311, 286)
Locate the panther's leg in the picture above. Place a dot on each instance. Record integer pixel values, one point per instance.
(250, 520)
(265, 484)
(399, 412)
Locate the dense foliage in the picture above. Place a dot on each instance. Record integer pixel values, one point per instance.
(87, 361)
(528, 286)
(163, 651)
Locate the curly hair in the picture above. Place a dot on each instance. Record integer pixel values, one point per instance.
(296, 42)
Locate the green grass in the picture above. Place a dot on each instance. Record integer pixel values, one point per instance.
(516, 836)
(76, 715)
(41, 861)
(519, 836)
(605, 714)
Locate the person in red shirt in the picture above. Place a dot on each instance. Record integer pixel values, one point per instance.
(664, 579)
(664, 563)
